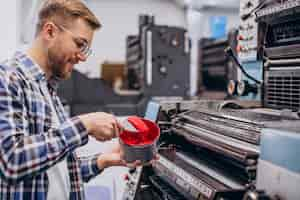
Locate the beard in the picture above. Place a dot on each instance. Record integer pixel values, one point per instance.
(58, 64)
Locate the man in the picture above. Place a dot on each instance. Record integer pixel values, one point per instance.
(37, 140)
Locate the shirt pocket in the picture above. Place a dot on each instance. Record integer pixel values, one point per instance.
(39, 115)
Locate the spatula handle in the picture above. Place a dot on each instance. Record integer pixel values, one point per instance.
(138, 123)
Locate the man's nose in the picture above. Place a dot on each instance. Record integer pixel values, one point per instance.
(81, 57)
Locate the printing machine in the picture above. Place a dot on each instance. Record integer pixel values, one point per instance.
(211, 150)
(216, 70)
(222, 150)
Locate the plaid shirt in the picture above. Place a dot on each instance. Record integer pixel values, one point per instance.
(29, 142)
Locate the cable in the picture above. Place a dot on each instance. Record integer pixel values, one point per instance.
(255, 9)
(230, 54)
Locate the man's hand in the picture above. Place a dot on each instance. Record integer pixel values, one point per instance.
(115, 158)
(102, 126)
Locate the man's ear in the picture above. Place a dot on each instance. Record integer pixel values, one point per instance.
(49, 30)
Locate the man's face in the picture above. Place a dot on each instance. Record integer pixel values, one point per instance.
(68, 47)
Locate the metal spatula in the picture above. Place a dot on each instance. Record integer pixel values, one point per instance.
(128, 126)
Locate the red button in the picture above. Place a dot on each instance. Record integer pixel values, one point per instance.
(240, 37)
(238, 48)
(126, 177)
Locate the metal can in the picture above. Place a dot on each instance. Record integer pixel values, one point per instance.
(140, 145)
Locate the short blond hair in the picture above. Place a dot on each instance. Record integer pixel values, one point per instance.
(64, 12)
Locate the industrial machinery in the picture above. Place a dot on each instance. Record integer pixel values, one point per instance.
(210, 151)
(278, 168)
(133, 57)
(249, 51)
(158, 60)
(215, 68)
(166, 60)
(281, 49)
(277, 51)
(134, 54)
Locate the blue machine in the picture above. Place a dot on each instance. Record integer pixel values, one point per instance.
(253, 92)
(278, 172)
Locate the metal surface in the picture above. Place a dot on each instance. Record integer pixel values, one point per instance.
(282, 88)
(207, 151)
(279, 167)
(278, 9)
(248, 32)
(195, 177)
(241, 124)
(281, 47)
(165, 61)
(211, 172)
(143, 153)
(278, 182)
(132, 183)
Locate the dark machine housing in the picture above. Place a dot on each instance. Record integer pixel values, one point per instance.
(215, 68)
(282, 55)
(206, 152)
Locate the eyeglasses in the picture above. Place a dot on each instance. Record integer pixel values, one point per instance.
(81, 43)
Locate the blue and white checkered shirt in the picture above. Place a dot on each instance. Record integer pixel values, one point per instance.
(29, 145)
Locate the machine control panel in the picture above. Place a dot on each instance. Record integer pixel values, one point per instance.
(248, 31)
(132, 180)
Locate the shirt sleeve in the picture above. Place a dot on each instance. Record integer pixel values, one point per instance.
(22, 154)
(88, 167)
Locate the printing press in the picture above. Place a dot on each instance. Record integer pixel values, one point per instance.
(208, 150)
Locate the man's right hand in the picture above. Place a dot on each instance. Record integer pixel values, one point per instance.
(102, 126)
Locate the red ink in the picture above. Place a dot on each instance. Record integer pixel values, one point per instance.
(147, 132)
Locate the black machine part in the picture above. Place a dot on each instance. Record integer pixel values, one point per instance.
(215, 69)
(256, 195)
(166, 54)
(231, 55)
(281, 70)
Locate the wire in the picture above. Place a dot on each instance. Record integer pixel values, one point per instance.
(229, 52)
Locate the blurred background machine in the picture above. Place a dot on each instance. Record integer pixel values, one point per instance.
(133, 58)
(215, 68)
(157, 64)
(268, 52)
(158, 59)
(249, 49)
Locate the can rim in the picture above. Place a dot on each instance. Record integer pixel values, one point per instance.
(140, 145)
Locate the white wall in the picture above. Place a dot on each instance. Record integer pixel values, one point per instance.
(8, 33)
(28, 11)
(120, 19)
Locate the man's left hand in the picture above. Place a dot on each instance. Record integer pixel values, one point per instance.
(114, 157)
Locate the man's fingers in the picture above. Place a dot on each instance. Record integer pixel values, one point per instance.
(116, 130)
(134, 164)
(101, 139)
(119, 126)
(156, 157)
